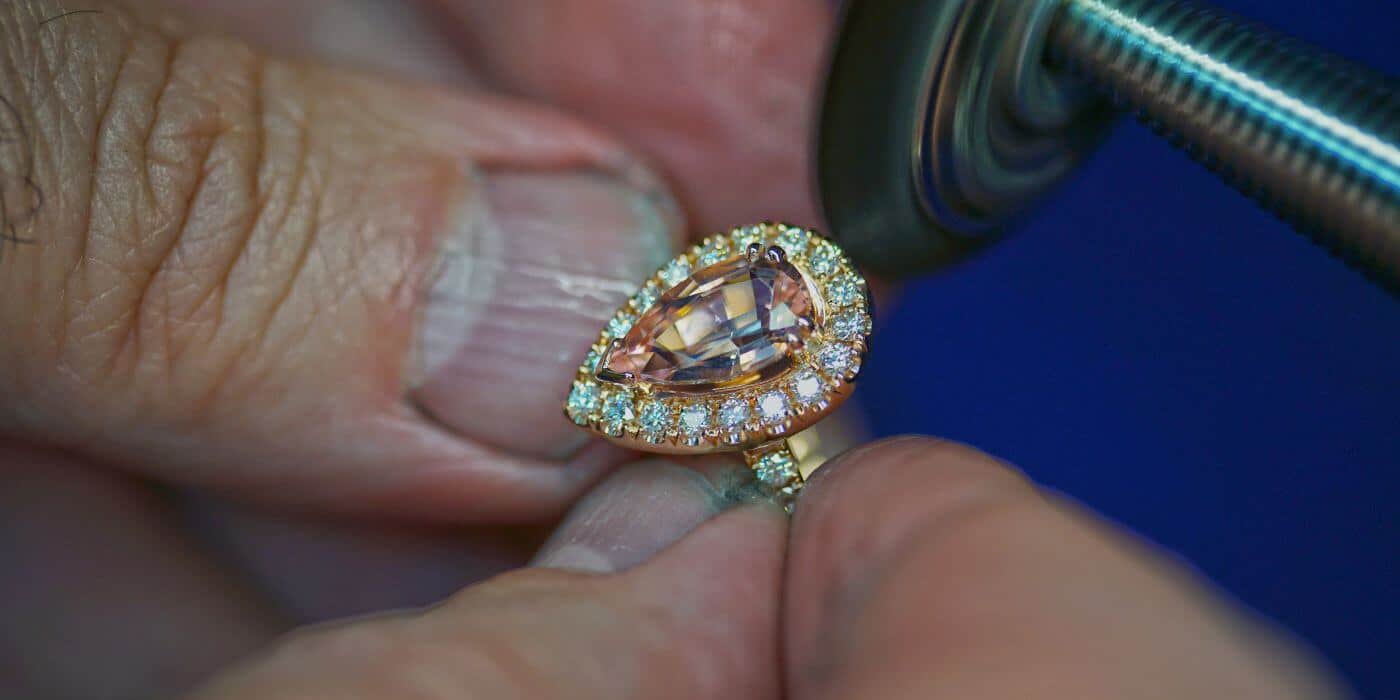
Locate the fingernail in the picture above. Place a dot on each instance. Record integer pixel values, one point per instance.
(532, 267)
(641, 510)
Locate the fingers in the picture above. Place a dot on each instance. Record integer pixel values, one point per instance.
(696, 620)
(389, 37)
(643, 509)
(318, 567)
(925, 569)
(102, 595)
(721, 93)
(300, 283)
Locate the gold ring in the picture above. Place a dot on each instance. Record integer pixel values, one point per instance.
(734, 346)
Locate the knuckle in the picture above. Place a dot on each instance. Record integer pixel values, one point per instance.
(184, 202)
(198, 218)
(130, 131)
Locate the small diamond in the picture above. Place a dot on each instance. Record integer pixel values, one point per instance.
(807, 386)
(748, 236)
(794, 240)
(851, 324)
(836, 359)
(620, 324)
(675, 272)
(583, 399)
(590, 363)
(734, 413)
(645, 297)
(713, 252)
(617, 408)
(776, 469)
(824, 260)
(654, 417)
(695, 418)
(842, 291)
(773, 406)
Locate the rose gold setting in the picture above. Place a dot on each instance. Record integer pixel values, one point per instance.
(795, 361)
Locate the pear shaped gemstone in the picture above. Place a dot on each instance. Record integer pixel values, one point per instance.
(738, 318)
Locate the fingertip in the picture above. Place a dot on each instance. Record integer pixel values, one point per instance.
(747, 539)
(907, 481)
(863, 508)
(644, 509)
(721, 592)
(922, 568)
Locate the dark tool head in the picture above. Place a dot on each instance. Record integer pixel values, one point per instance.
(940, 124)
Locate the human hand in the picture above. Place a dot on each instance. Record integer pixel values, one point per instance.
(228, 260)
(239, 293)
(914, 569)
(222, 249)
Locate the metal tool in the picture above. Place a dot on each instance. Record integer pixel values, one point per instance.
(944, 120)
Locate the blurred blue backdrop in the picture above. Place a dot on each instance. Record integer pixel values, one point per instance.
(1156, 346)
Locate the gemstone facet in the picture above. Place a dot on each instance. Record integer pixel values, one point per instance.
(730, 321)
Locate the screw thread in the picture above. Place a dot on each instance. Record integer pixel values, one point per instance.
(1310, 137)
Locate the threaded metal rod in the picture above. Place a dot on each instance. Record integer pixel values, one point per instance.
(1312, 138)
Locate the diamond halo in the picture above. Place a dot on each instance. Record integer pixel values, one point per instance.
(772, 363)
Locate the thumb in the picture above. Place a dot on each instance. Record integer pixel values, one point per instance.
(921, 569)
(698, 620)
(296, 282)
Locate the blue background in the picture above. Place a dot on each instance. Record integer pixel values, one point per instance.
(1158, 347)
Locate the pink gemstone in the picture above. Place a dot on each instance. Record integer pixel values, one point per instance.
(730, 321)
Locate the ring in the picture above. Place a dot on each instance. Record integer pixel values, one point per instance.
(734, 346)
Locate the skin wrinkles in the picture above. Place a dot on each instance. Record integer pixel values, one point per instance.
(319, 419)
(722, 106)
(20, 196)
(264, 272)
